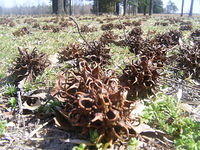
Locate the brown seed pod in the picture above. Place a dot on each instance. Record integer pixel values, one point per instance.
(29, 65)
(109, 26)
(168, 39)
(87, 29)
(21, 32)
(189, 60)
(95, 101)
(108, 37)
(141, 77)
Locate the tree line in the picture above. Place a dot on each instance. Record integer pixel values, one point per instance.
(100, 7)
(113, 6)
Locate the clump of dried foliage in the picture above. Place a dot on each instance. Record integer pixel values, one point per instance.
(161, 24)
(95, 101)
(87, 29)
(120, 26)
(92, 52)
(98, 52)
(141, 77)
(29, 65)
(196, 36)
(170, 38)
(108, 37)
(189, 60)
(21, 32)
(108, 26)
(72, 51)
(186, 26)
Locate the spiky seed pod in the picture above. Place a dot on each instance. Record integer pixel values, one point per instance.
(109, 26)
(21, 32)
(120, 26)
(141, 77)
(97, 52)
(189, 61)
(186, 26)
(196, 36)
(137, 23)
(87, 29)
(72, 51)
(108, 37)
(29, 65)
(55, 29)
(95, 101)
(168, 39)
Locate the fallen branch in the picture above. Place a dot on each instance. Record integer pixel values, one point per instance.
(39, 128)
(78, 28)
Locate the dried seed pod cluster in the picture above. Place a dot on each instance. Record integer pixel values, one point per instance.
(168, 39)
(97, 52)
(196, 36)
(93, 52)
(189, 61)
(95, 101)
(120, 26)
(87, 29)
(7, 21)
(161, 24)
(135, 40)
(141, 77)
(21, 32)
(108, 37)
(29, 65)
(186, 26)
(47, 27)
(108, 26)
(72, 51)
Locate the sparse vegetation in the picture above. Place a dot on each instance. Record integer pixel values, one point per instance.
(81, 80)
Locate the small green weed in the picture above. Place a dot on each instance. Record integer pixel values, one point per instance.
(12, 102)
(132, 144)
(10, 90)
(167, 116)
(2, 127)
(80, 147)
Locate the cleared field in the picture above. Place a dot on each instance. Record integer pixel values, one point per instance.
(107, 82)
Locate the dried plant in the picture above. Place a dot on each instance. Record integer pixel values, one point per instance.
(161, 24)
(47, 27)
(120, 26)
(137, 23)
(36, 25)
(141, 77)
(186, 26)
(127, 23)
(66, 24)
(30, 21)
(94, 52)
(72, 51)
(87, 29)
(109, 26)
(196, 36)
(108, 37)
(168, 39)
(55, 29)
(97, 52)
(95, 101)
(189, 60)
(21, 32)
(29, 65)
